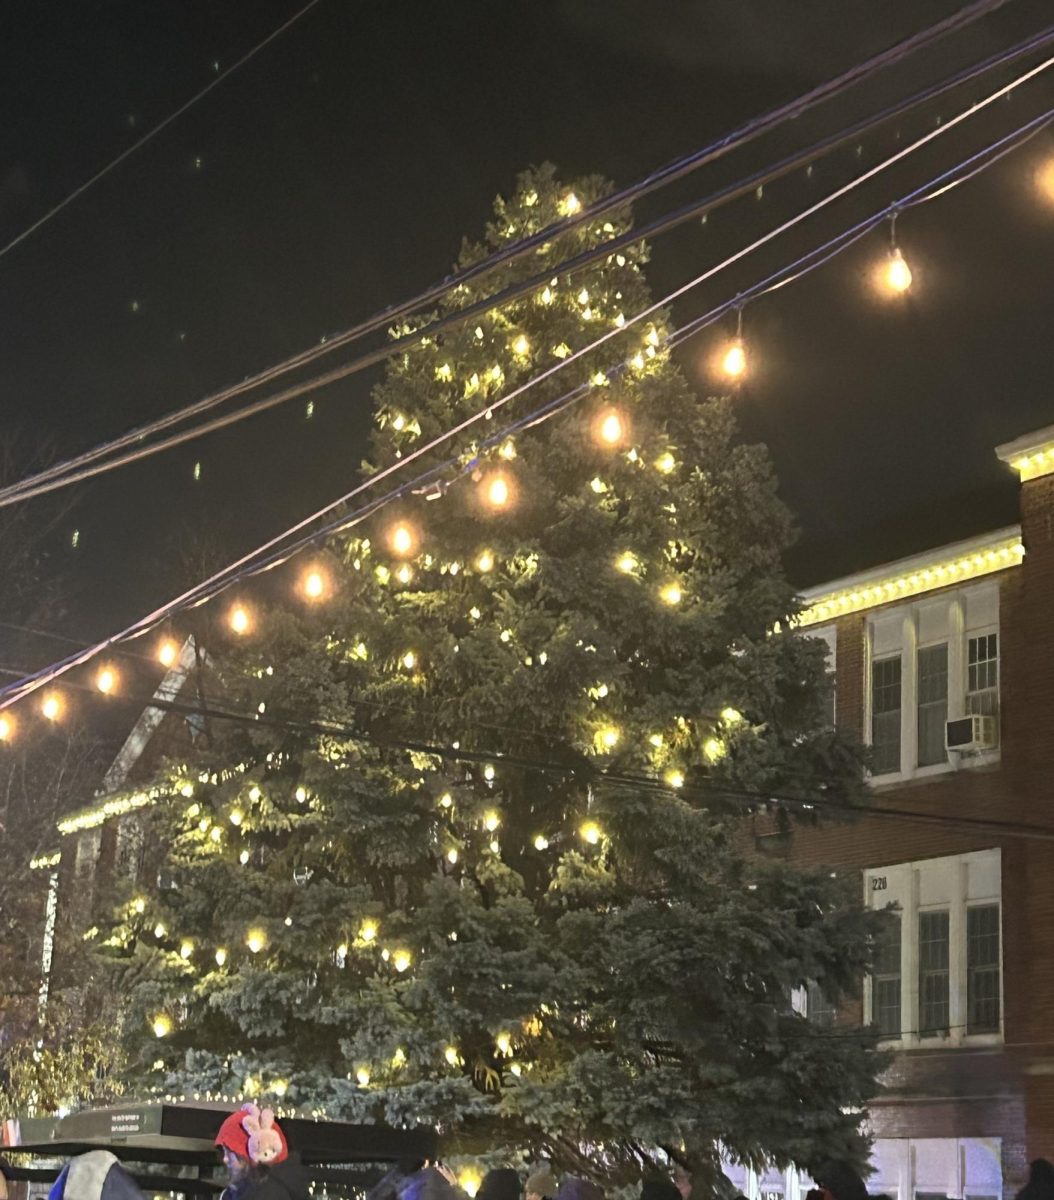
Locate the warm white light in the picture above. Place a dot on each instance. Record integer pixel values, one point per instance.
(897, 273)
(491, 821)
(583, 296)
(167, 653)
(159, 931)
(452, 1056)
(451, 856)
(521, 345)
(401, 960)
(609, 428)
(256, 939)
(731, 716)
(7, 728)
(734, 360)
(236, 816)
(671, 594)
(239, 619)
(314, 585)
(627, 563)
(161, 1025)
(609, 737)
(106, 680)
(485, 561)
(714, 749)
(216, 833)
(665, 463)
(446, 800)
(362, 1076)
(402, 539)
(409, 660)
(1045, 180)
(590, 832)
(675, 779)
(570, 205)
(368, 931)
(221, 956)
(503, 1043)
(186, 949)
(497, 491)
(405, 574)
(541, 842)
(51, 706)
(469, 1180)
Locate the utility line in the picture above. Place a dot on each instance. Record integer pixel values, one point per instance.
(78, 468)
(152, 133)
(246, 565)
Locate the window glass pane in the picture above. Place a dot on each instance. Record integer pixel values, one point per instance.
(818, 1009)
(933, 704)
(982, 969)
(982, 674)
(885, 982)
(885, 715)
(933, 972)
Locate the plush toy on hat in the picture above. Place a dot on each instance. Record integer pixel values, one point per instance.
(265, 1141)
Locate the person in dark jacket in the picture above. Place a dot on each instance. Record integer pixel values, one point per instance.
(1040, 1184)
(500, 1183)
(573, 1187)
(659, 1187)
(541, 1185)
(96, 1175)
(257, 1158)
(841, 1181)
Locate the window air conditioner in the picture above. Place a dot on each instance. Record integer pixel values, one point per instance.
(971, 733)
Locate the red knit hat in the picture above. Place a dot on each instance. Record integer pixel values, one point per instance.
(234, 1136)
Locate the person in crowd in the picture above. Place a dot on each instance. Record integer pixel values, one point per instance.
(682, 1181)
(1040, 1184)
(573, 1187)
(541, 1185)
(434, 1181)
(387, 1187)
(257, 1158)
(841, 1181)
(659, 1187)
(500, 1183)
(96, 1175)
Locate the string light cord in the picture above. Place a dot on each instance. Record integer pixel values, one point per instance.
(72, 470)
(254, 562)
(157, 129)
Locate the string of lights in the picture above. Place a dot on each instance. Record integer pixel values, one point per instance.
(152, 133)
(80, 467)
(276, 552)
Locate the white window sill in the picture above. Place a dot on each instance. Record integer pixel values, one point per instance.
(963, 762)
(955, 1040)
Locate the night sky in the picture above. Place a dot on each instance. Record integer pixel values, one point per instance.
(338, 171)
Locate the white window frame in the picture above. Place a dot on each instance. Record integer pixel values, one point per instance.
(908, 647)
(905, 891)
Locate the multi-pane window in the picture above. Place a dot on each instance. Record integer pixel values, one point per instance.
(982, 674)
(885, 982)
(982, 968)
(933, 704)
(885, 715)
(934, 956)
(818, 1008)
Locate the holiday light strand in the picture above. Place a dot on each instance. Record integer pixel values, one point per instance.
(251, 563)
(68, 472)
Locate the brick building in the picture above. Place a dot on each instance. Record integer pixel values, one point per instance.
(954, 647)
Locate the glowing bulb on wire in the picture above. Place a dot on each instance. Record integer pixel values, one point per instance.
(314, 584)
(402, 539)
(590, 832)
(609, 428)
(897, 272)
(167, 652)
(497, 491)
(51, 706)
(106, 680)
(161, 1025)
(239, 619)
(734, 360)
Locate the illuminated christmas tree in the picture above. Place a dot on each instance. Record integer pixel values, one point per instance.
(482, 858)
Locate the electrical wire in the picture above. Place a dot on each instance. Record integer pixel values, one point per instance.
(152, 133)
(70, 471)
(246, 566)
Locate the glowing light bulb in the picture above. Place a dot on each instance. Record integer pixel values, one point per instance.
(609, 738)
(665, 463)
(734, 360)
(159, 931)
(220, 956)
(167, 652)
(51, 706)
(714, 750)
(570, 205)
(469, 1180)
(401, 960)
(7, 728)
(399, 1057)
(671, 594)
(216, 833)
(675, 779)
(139, 905)
(161, 1025)
(301, 795)
(256, 939)
(314, 585)
(239, 619)
(503, 1044)
(521, 345)
(106, 680)
(409, 660)
(497, 491)
(491, 821)
(731, 716)
(656, 740)
(488, 773)
(590, 832)
(401, 539)
(186, 949)
(541, 842)
(583, 296)
(446, 800)
(368, 931)
(243, 858)
(451, 856)
(452, 1056)
(897, 272)
(508, 450)
(362, 1077)
(627, 563)
(609, 428)
(485, 561)
(405, 574)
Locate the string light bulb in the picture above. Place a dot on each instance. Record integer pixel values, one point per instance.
(485, 561)
(368, 931)
(409, 660)
(503, 1044)
(497, 491)
(521, 346)
(541, 842)
(314, 584)
(609, 737)
(590, 832)
(167, 652)
(452, 1056)
(362, 1077)
(106, 680)
(734, 360)
(491, 821)
(402, 539)
(186, 949)
(401, 960)
(256, 939)
(51, 706)
(570, 205)
(671, 594)
(469, 1180)
(609, 427)
(7, 727)
(894, 275)
(161, 1025)
(220, 956)
(239, 619)
(627, 562)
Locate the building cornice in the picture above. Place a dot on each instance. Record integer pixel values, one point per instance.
(889, 582)
(1031, 455)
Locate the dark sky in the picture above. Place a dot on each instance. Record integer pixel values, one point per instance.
(338, 171)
